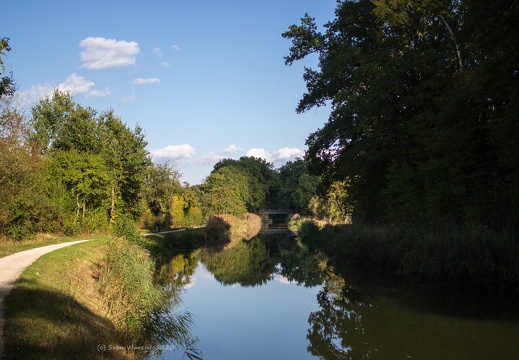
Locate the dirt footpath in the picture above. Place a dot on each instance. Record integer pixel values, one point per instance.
(12, 266)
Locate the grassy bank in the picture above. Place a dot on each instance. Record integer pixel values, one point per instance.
(95, 300)
(10, 247)
(54, 309)
(226, 231)
(444, 254)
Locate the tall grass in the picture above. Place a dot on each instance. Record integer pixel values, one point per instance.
(228, 230)
(448, 253)
(136, 305)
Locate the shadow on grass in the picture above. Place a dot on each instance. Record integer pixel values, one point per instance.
(65, 328)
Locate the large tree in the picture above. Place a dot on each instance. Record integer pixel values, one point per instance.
(423, 96)
(297, 186)
(261, 177)
(62, 125)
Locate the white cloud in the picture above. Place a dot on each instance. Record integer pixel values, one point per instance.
(141, 81)
(232, 149)
(173, 152)
(285, 154)
(98, 93)
(176, 47)
(209, 158)
(101, 53)
(157, 52)
(164, 64)
(74, 84)
(259, 153)
(277, 157)
(129, 98)
(35, 93)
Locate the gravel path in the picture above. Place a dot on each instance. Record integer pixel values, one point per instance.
(12, 266)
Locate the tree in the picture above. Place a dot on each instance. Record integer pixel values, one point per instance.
(61, 125)
(297, 186)
(127, 161)
(6, 82)
(261, 177)
(160, 185)
(226, 191)
(22, 177)
(420, 102)
(85, 177)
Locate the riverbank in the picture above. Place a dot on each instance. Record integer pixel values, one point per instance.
(447, 255)
(95, 300)
(11, 247)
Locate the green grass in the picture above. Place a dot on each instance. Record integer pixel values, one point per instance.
(54, 312)
(11, 247)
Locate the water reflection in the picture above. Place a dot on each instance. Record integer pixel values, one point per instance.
(357, 314)
(247, 264)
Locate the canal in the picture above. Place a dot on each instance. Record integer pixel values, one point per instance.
(272, 298)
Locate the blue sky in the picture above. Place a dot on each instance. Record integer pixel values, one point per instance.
(206, 80)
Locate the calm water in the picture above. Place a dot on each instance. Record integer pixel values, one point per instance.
(273, 299)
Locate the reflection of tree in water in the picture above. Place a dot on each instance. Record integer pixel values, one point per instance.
(297, 263)
(396, 322)
(176, 274)
(337, 330)
(248, 264)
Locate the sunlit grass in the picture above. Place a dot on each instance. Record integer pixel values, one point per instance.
(53, 311)
(8, 247)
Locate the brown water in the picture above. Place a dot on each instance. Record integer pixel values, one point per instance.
(273, 299)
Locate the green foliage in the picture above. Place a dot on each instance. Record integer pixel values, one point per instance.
(226, 190)
(124, 227)
(6, 82)
(127, 161)
(22, 178)
(333, 205)
(161, 182)
(138, 306)
(424, 108)
(248, 264)
(451, 253)
(297, 186)
(262, 180)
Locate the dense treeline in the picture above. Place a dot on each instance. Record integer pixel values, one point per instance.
(424, 98)
(69, 169)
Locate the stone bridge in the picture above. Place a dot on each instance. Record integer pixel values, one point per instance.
(277, 221)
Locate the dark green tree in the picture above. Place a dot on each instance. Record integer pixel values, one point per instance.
(424, 109)
(297, 186)
(261, 177)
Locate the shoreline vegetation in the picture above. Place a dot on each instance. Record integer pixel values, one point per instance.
(101, 299)
(95, 300)
(448, 254)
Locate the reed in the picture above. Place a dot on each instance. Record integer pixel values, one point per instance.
(448, 253)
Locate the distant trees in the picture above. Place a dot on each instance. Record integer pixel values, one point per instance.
(297, 186)
(424, 108)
